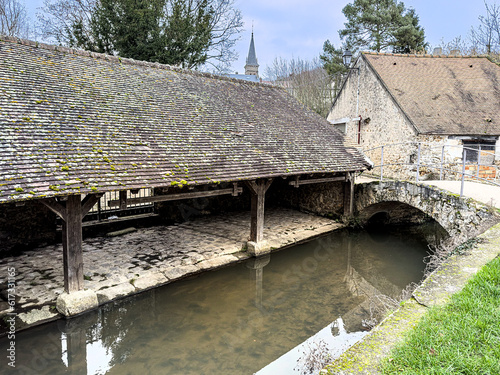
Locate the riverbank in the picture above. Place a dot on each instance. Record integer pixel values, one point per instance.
(131, 261)
(460, 337)
(366, 356)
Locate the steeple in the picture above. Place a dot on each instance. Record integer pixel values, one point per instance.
(252, 66)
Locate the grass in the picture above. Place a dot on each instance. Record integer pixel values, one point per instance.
(462, 337)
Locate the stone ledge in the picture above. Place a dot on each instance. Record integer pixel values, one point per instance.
(114, 292)
(149, 281)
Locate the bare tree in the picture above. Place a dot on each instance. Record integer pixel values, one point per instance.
(486, 37)
(306, 80)
(14, 20)
(59, 17)
(226, 25)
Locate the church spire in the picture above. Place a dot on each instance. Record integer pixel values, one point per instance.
(252, 66)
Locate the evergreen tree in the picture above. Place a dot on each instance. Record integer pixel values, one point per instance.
(332, 59)
(175, 33)
(189, 33)
(381, 24)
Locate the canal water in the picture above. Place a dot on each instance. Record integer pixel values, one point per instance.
(281, 314)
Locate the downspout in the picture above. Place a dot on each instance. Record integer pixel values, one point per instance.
(359, 130)
(357, 106)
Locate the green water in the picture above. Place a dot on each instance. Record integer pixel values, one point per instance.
(274, 315)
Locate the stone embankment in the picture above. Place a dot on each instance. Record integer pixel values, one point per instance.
(131, 261)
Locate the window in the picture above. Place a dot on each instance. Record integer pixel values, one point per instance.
(342, 127)
(471, 151)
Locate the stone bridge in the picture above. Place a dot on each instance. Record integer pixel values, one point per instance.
(403, 201)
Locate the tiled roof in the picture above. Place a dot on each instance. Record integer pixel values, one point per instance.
(78, 122)
(443, 95)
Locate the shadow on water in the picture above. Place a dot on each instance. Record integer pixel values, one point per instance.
(278, 314)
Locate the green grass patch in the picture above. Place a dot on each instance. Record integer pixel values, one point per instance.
(462, 337)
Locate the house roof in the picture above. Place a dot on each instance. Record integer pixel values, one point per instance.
(443, 95)
(78, 122)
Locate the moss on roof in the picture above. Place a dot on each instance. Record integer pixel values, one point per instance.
(78, 122)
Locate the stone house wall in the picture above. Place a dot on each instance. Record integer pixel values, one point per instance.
(372, 118)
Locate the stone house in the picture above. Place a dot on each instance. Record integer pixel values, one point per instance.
(76, 125)
(448, 104)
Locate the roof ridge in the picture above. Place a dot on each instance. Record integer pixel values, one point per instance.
(424, 55)
(118, 59)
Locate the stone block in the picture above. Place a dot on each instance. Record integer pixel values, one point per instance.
(258, 248)
(216, 262)
(173, 273)
(149, 281)
(37, 315)
(115, 292)
(75, 303)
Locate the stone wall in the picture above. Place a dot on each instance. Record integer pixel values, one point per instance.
(325, 199)
(461, 218)
(24, 227)
(382, 121)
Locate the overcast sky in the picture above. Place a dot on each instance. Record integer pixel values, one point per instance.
(298, 28)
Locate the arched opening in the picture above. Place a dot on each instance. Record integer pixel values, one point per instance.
(384, 217)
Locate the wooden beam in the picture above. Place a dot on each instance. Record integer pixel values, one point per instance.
(72, 245)
(258, 189)
(56, 207)
(297, 182)
(174, 197)
(89, 201)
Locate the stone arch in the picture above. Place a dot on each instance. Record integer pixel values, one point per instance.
(461, 218)
(391, 212)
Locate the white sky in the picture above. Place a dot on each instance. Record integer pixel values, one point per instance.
(298, 28)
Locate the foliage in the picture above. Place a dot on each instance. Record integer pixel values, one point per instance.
(188, 33)
(332, 59)
(381, 24)
(462, 337)
(13, 19)
(306, 80)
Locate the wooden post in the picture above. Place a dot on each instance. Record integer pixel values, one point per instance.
(258, 190)
(349, 195)
(123, 200)
(72, 245)
(71, 212)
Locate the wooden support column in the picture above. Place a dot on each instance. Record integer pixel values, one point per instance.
(123, 200)
(349, 195)
(71, 212)
(258, 189)
(72, 245)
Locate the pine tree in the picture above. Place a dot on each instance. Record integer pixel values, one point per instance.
(381, 24)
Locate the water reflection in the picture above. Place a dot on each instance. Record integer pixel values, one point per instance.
(255, 317)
